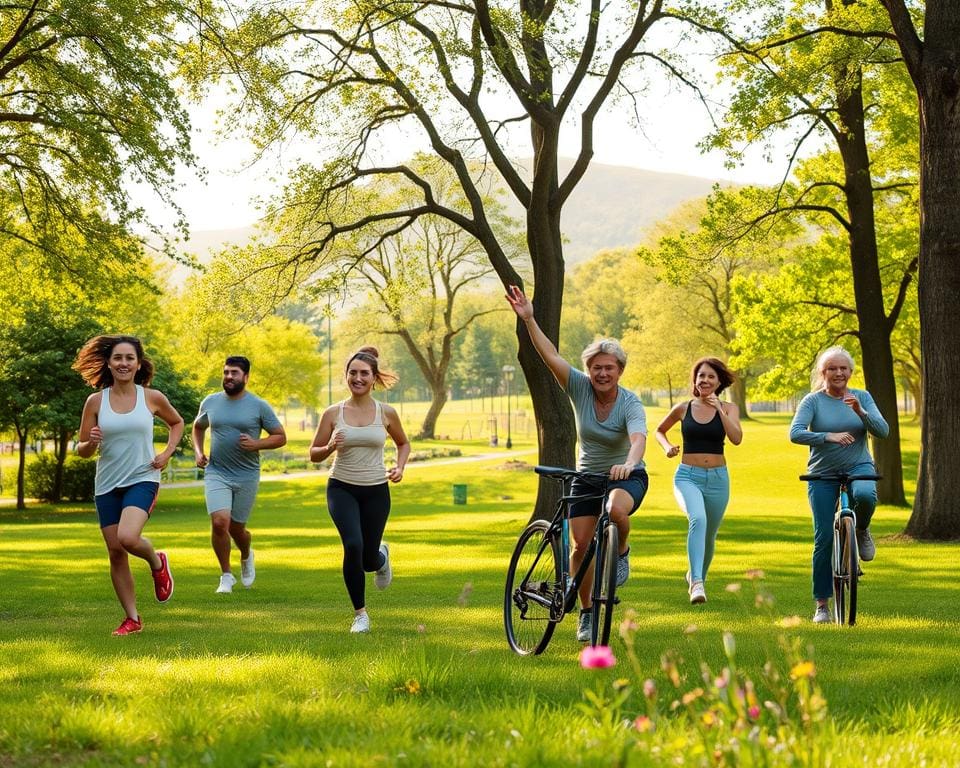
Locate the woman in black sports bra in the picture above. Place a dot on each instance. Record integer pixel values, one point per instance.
(701, 484)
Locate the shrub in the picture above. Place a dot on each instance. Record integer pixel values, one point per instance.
(78, 478)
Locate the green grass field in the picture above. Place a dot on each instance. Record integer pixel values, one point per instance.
(270, 676)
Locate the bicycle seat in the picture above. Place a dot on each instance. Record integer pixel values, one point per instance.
(562, 473)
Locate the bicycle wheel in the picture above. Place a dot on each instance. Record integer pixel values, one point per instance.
(533, 590)
(851, 558)
(845, 571)
(605, 585)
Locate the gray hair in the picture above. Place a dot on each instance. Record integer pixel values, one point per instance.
(604, 347)
(816, 376)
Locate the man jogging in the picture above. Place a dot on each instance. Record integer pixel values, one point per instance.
(235, 418)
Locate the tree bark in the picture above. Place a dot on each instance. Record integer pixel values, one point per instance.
(63, 438)
(21, 467)
(556, 428)
(738, 395)
(438, 399)
(873, 323)
(936, 513)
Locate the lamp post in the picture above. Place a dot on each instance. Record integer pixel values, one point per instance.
(508, 377)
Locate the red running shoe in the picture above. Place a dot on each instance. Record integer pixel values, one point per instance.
(128, 627)
(162, 579)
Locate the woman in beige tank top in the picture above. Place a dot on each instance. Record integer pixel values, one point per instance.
(358, 494)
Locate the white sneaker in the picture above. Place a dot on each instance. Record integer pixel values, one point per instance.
(697, 593)
(227, 580)
(247, 571)
(361, 623)
(384, 574)
(822, 616)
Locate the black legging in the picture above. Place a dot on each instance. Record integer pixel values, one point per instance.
(360, 513)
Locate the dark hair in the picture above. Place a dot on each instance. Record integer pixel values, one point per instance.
(238, 361)
(724, 375)
(92, 359)
(371, 357)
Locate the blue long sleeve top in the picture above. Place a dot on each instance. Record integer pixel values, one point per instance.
(818, 414)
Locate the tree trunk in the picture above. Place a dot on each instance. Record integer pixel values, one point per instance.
(556, 428)
(61, 447)
(438, 392)
(21, 467)
(874, 327)
(936, 513)
(738, 395)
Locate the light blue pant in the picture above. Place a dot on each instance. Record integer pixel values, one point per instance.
(703, 495)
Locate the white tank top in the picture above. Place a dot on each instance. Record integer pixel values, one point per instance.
(359, 461)
(126, 449)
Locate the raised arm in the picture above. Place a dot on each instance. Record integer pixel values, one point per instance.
(559, 367)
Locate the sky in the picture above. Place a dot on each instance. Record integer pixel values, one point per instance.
(667, 143)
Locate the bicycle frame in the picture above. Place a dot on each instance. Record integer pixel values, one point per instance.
(569, 585)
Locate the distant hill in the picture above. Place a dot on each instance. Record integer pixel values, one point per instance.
(613, 205)
(610, 208)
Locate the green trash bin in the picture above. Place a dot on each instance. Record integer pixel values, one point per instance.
(459, 494)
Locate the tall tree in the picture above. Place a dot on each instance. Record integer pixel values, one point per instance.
(934, 66)
(87, 106)
(358, 77)
(415, 276)
(818, 69)
(39, 393)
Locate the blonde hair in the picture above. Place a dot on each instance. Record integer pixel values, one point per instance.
(604, 347)
(816, 376)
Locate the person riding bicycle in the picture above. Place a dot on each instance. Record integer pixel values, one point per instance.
(612, 433)
(834, 421)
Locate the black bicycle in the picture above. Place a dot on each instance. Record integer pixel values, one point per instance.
(846, 556)
(540, 590)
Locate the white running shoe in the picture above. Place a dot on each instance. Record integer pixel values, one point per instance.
(384, 574)
(361, 624)
(697, 593)
(822, 616)
(247, 571)
(227, 580)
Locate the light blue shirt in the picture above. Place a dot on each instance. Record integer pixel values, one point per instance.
(819, 413)
(604, 443)
(227, 418)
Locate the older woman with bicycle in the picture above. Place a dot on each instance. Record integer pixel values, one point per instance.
(834, 421)
(612, 433)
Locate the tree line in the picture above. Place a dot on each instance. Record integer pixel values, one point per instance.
(845, 76)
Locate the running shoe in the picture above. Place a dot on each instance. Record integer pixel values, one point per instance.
(129, 627)
(162, 579)
(384, 574)
(247, 571)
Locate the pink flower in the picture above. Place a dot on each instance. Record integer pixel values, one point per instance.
(753, 712)
(649, 688)
(643, 724)
(597, 657)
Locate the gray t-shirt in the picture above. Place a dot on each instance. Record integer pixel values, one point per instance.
(227, 418)
(604, 443)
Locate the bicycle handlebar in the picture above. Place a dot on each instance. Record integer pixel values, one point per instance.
(841, 477)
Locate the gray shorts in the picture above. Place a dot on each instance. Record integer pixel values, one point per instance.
(235, 496)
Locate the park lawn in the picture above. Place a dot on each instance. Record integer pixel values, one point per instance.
(270, 676)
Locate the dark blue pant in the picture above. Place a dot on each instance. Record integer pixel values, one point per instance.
(360, 513)
(823, 502)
